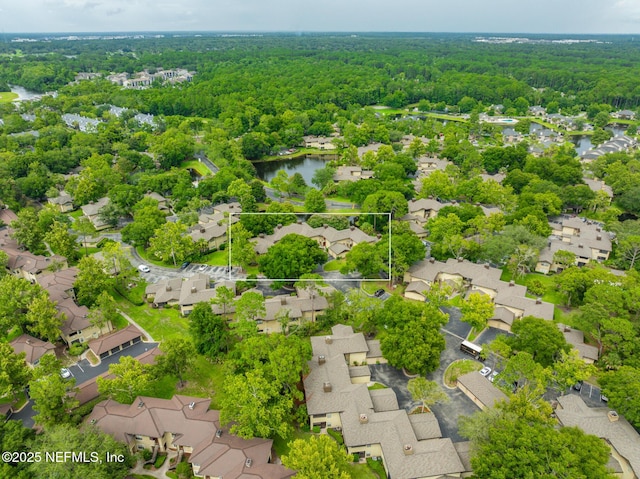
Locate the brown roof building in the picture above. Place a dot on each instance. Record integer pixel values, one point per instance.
(188, 425)
(34, 348)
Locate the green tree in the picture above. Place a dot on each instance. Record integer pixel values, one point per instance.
(571, 368)
(92, 279)
(104, 312)
(477, 310)
(177, 358)
(386, 202)
(84, 227)
(323, 177)
(255, 406)
(17, 294)
(250, 306)
(224, 298)
(629, 250)
(89, 440)
(406, 249)
(130, 379)
(117, 260)
(364, 259)
(622, 388)
(61, 241)
(14, 372)
(413, 341)
(501, 440)
(147, 218)
(26, 230)
(427, 392)
(173, 147)
(540, 338)
(170, 243)
(51, 400)
(281, 183)
(209, 331)
(564, 258)
(314, 202)
(43, 319)
(291, 257)
(318, 457)
(522, 260)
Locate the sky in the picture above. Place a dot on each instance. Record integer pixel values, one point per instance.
(496, 16)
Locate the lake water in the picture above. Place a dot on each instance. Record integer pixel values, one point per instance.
(24, 94)
(305, 165)
(583, 143)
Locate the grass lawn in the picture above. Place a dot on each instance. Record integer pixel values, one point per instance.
(151, 259)
(566, 315)
(120, 322)
(199, 167)
(76, 214)
(334, 265)
(339, 199)
(362, 471)
(281, 446)
(160, 323)
(16, 403)
(217, 258)
(371, 287)
(375, 386)
(205, 380)
(458, 368)
(551, 295)
(7, 96)
(441, 116)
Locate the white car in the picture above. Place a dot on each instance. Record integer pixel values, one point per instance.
(143, 268)
(485, 371)
(202, 267)
(65, 373)
(492, 376)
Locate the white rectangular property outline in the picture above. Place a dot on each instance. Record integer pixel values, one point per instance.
(388, 215)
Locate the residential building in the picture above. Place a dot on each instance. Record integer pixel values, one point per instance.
(319, 142)
(33, 348)
(598, 185)
(480, 390)
(163, 203)
(351, 173)
(335, 242)
(624, 115)
(92, 212)
(186, 426)
(63, 201)
(622, 143)
(608, 425)
(23, 263)
(579, 236)
(112, 343)
(465, 277)
(575, 338)
(427, 165)
(372, 424)
(537, 110)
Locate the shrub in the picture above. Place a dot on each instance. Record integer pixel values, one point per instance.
(146, 454)
(77, 349)
(536, 287)
(160, 461)
(356, 458)
(336, 435)
(316, 429)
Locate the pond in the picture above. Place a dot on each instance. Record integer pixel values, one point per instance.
(583, 143)
(306, 165)
(24, 94)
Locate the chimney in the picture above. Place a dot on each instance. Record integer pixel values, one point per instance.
(192, 404)
(598, 229)
(378, 236)
(407, 449)
(413, 200)
(280, 226)
(321, 359)
(460, 260)
(432, 260)
(299, 222)
(599, 237)
(168, 288)
(364, 419)
(202, 229)
(219, 433)
(328, 340)
(430, 197)
(352, 227)
(283, 300)
(487, 266)
(326, 387)
(512, 283)
(261, 235)
(325, 226)
(613, 416)
(193, 289)
(538, 300)
(580, 245)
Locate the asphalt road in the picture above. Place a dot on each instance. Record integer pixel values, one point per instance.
(82, 372)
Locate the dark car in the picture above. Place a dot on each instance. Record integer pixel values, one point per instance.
(379, 293)
(578, 386)
(185, 264)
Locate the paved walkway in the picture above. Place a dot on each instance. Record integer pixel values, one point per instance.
(159, 473)
(142, 330)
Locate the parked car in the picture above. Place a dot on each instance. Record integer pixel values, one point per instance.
(492, 376)
(143, 268)
(485, 371)
(379, 293)
(202, 267)
(578, 386)
(185, 264)
(603, 398)
(65, 373)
